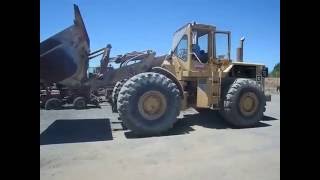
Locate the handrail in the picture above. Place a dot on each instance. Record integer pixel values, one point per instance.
(90, 57)
(137, 54)
(96, 51)
(126, 62)
(197, 57)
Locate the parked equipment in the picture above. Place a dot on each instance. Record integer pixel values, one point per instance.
(64, 59)
(150, 98)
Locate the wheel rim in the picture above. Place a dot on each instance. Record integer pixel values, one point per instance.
(54, 104)
(81, 104)
(152, 105)
(248, 103)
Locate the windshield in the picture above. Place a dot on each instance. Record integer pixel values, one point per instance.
(178, 36)
(200, 45)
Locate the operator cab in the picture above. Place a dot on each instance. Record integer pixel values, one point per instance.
(194, 45)
(200, 46)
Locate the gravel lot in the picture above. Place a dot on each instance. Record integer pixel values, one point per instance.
(91, 144)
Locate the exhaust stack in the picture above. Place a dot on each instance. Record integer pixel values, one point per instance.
(240, 51)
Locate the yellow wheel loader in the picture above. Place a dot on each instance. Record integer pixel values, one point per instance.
(194, 75)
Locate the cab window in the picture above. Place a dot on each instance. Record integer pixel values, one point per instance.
(181, 50)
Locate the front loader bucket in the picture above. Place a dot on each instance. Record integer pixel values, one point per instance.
(64, 56)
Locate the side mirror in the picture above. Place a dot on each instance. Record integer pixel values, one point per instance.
(265, 72)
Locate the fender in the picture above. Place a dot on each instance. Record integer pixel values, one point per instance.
(169, 75)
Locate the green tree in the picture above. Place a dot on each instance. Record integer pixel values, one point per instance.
(276, 71)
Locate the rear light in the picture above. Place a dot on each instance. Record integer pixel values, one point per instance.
(265, 72)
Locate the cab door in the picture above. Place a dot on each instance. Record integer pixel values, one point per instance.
(201, 52)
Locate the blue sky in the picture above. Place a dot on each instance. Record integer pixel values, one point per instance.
(131, 25)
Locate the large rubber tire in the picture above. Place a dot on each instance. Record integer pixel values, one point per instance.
(134, 89)
(115, 94)
(53, 103)
(225, 86)
(80, 103)
(230, 104)
(95, 102)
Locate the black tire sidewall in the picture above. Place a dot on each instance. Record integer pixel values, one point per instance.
(77, 105)
(115, 89)
(52, 103)
(115, 94)
(234, 115)
(157, 123)
(130, 94)
(236, 109)
(227, 82)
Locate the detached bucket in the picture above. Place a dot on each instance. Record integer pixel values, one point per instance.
(64, 56)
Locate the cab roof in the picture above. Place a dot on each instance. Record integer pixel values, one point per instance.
(195, 25)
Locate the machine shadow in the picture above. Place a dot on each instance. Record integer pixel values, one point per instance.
(88, 107)
(207, 119)
(268, 118)
(71, 107)
(76, 130)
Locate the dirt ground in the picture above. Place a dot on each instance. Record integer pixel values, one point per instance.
(91, 144)
(271, 85)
